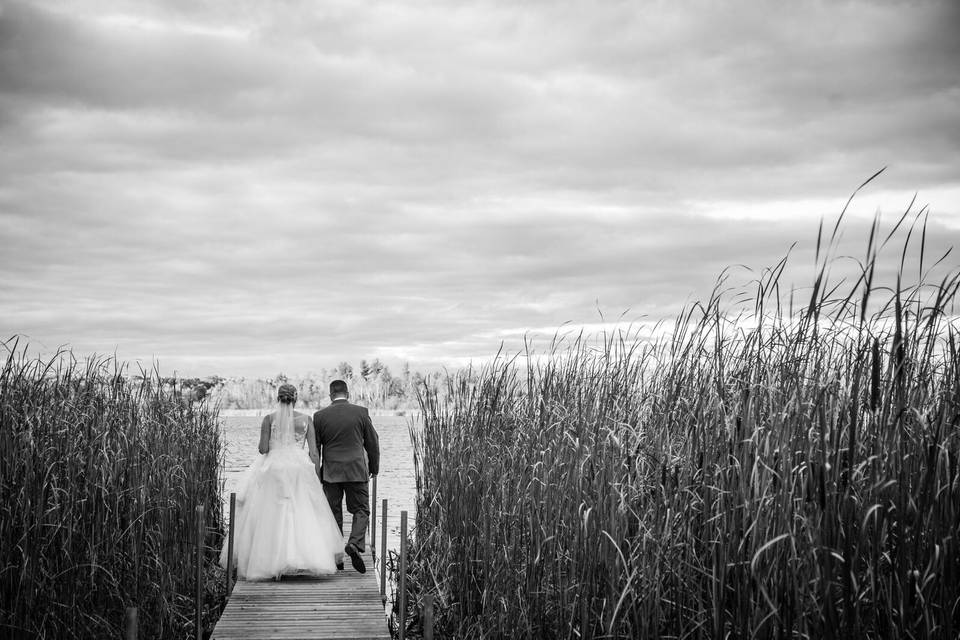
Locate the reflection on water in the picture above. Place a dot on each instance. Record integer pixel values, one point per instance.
(241, 435)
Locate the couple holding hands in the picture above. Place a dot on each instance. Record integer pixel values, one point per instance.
(290, 500)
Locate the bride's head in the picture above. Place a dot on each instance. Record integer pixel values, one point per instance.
(287, 394)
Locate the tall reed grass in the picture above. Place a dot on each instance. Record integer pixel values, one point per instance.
(98, 488)
(779, 473)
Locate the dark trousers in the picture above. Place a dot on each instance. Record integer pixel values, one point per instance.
(357, 504)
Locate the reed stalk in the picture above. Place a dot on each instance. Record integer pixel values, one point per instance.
(788, 472)
(100, 478)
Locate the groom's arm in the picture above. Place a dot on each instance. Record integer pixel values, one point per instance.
(371, 443)
(315, 447)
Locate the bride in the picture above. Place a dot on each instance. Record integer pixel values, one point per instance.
(284, 522)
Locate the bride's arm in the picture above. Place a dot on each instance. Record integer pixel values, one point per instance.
(312, 445)
(265, 435)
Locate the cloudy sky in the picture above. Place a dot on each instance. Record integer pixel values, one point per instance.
(247, 187)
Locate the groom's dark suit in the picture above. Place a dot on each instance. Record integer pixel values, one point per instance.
(349, 453)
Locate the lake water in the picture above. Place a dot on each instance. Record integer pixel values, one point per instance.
(395, 482)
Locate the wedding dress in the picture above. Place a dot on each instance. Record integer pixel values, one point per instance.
(284, 522)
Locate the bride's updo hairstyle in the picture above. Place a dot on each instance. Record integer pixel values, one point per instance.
(287, 394)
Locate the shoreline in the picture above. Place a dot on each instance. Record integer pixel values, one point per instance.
(257, 413)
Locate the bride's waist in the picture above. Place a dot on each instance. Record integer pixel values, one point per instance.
(293, 446)
(287, 451)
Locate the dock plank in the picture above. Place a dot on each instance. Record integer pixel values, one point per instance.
(345, 606)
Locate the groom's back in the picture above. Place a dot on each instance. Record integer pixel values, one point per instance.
(344, 434)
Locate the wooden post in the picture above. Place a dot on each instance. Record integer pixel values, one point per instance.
(428, 617)
(233, 519)
(199, 595)
(130, 624)
(373, 521)
(383, 552)
(403, 575)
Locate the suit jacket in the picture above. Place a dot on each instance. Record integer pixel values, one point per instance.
(344, 432)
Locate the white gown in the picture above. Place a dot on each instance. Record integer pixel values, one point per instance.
(284, 522)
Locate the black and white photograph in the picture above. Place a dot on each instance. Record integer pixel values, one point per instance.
(479, 319)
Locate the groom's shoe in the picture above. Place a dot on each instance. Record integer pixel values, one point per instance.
(355, 558)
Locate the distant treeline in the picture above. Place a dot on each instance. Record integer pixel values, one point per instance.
(371, 384)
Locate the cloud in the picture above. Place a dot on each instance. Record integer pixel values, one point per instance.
(210, 183)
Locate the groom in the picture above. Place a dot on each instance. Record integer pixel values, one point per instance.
(344, 434)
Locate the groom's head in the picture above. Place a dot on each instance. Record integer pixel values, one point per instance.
(338, 389)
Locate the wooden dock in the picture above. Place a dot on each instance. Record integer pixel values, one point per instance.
(346, 606)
